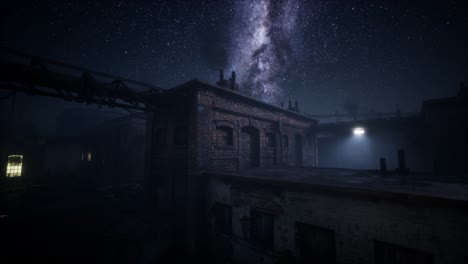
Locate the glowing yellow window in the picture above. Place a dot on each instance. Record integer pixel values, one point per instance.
(88, 156)
(14, 166)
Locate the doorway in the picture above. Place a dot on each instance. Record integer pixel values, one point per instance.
(297, 150)
(250, 147)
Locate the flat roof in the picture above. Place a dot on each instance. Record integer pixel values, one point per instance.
(359, 182)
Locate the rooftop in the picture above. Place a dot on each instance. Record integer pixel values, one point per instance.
(361, 182)
(203, 84)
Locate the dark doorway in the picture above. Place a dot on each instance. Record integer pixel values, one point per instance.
(262, 229)
(386, 253)
(316, 244)
(297, 150)
(250, 147)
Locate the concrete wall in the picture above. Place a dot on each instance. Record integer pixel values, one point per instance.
(357, 222)
(446, 131)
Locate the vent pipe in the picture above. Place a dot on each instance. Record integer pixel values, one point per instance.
(402, 170)
(383, 166)
(233, 81)
(221, 75)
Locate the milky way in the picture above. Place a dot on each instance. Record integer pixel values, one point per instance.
(263, 40)
(381, 55)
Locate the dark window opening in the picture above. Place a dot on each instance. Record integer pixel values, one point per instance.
(224, 137)
(270, 140)
(386, 253)
(316, 244)
(262, 229)
(223, 218)
(161, 136)
(180, 136)
(309, 141)
(298, 150)
(286, 141)
(250, 146)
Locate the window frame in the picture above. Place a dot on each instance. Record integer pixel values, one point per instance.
(14, 168)
(230, 134)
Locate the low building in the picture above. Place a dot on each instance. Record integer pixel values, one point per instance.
(335, 216)
(197, 127)
(435, 140)
(236, 176)
(444, 126)
(109, 152)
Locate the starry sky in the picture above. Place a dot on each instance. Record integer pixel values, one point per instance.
(379, 55)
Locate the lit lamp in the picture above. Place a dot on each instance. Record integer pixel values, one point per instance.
(359, 131)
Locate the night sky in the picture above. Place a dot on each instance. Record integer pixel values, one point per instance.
(381, 55)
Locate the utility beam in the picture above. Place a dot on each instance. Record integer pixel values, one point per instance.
(72, 83)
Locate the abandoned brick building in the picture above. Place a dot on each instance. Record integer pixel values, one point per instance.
(199, 127)
(239, 171)
(236, 178)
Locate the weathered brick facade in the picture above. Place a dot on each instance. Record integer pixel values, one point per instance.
(197, 127)
(199, 131)
(358, 221)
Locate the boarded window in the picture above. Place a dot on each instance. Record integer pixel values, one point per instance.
(223, 218)
(316, 244)
(270, 140)
(180, 136)
(224, 137)
(262, 229)
(14, 166)
(386, 253)
(286, 141)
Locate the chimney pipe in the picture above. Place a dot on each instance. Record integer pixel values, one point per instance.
(221, 75)
(401, 160)
(401, 166)
(296, 106)
(282, 105)
(290, 105)
(233, 80)
(383, 166)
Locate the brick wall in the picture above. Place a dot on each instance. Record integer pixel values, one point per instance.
(174, 172)
(224, 109)
(357, 221)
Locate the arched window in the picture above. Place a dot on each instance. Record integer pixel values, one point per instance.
(270, 140)
(224, 136)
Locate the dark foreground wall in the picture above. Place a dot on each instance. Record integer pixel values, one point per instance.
(254, 223)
